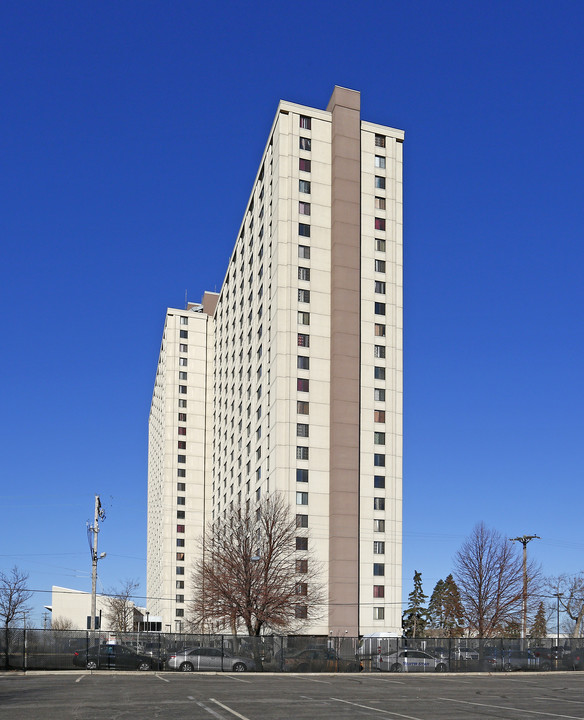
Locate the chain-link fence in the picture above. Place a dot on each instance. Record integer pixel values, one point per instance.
(75, 649)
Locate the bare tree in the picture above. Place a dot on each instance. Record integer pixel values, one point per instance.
(571, 590)
(489, 575)
(61, 623)
(14, 596)
(120, 607)
(255, 570)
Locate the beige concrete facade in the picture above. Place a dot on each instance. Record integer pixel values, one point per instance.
(302, 377)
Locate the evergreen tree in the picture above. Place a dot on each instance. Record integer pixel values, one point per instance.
(452, 608)
(415, 617)
(436, 606)
(539, 627)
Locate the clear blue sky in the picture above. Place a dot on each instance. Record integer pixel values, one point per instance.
(130, 134)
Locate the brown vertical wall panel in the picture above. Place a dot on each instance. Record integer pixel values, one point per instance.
(345, 361)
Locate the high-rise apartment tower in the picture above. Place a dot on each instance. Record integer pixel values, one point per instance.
(290, 378)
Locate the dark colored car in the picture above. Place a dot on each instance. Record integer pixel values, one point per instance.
(113, 657)
(574, 660)
(319, 660)
(510, 660)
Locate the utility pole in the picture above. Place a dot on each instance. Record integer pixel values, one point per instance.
(524, 539)
(99, 514)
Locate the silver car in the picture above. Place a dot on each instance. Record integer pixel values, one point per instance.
(411, 661)
(205, 658)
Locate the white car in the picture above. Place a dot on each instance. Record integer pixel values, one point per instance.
(411, 661)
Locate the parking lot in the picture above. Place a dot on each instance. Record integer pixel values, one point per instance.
(141, 696)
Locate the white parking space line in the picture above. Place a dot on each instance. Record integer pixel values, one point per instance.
(578, 702)
(210, 710)
(232, 677)
(242, 717)
(514, 709)
(161, 678)
(303, 677)
(80, 678)
(380, 710)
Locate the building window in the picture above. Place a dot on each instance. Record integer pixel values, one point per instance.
(378, 613)
(379, 548)
(380, 266)
(182, 417)
(301, 452)
(303, 362)
(379, 526)
(379, 416)
(379, 223)
(180, 570)
(380, 203)
(183, 348)
(301, 475)
(379, 394)
(302, 384)
(303, 273)
(379, 569)
(180, 584)
(379, 245)
(180, 598)
(304, 186)
(181, 458)
(302, 429)
(184, 334)
(302, 407)
(180, 528)
(304, 143)
(378, 591)
(379, 351)
(181, 472)
(304, 252)
(182, 430)
(304, 208)
(301, 498)
(379, 308)
(180, 556)
(303, 230)
(379, 330)
(380, 182)
(182, 389)
(379, 140)
(379, 460)
(379, 161)
(304, 165)
(182, 375)
(379, 438)
(379, 481)
(301, 612)
(379, 503)
(301, 566)
(380, 287)
(302, 520)
(181, 500)
(181, 487)
(301, 589)
(183, 362)
(379, 373)
(303, 340)
(180, 514)
(184, 320)
(304, 296)
(301, 543)
(303, 318)
(182, 403)
(305, 122)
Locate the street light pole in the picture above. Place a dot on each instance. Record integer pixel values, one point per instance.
(524, 539)
(98, 515)
(558, 596)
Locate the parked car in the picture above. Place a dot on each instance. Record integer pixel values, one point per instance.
(574, 660)
(509, 660)
(412, 661)
(319, 660)
(464, 653)
(113, 657)
(206, 658)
